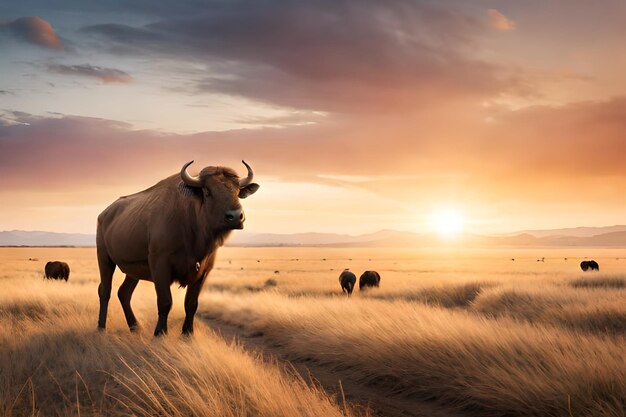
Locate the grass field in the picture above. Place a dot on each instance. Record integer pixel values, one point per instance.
(474, 332)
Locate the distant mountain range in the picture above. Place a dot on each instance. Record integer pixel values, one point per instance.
(573, 231)
(38, 238)
(614, 236)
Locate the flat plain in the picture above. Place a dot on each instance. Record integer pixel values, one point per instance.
(483, 332)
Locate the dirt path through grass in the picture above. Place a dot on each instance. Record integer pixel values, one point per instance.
(359, 396)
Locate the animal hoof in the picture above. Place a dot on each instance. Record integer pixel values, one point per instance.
(101, 329)
(135, 328)
(160, 332)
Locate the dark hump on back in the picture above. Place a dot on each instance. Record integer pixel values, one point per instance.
(347, 275)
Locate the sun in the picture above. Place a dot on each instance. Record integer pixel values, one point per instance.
(448, 222)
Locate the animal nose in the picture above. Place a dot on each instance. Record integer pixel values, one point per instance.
(235, 218)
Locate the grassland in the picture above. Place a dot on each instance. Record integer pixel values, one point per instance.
(472, 331)
(53, 361)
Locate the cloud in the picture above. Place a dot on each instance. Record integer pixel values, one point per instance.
(577, 140)
(106, 75)
(15, 117)
(530, 148)
(34, 30)
(326, 55)
(500, 21)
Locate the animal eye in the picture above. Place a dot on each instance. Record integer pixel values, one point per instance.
(207, 192)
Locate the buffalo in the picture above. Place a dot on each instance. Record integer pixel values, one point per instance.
(169, 233)
(369, 279)
(57, 270)
(347, 280)
(592, 265)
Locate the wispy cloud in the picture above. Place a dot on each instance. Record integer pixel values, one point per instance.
(500, 21)
(527, 146)
(106, 75)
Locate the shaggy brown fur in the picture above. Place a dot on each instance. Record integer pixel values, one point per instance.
(369, 279)
(347, 280)
(168, 233)
(57, 270)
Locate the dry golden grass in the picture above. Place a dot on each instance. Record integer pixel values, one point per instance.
(601, 281)
(487, 366)
(53, 361)
(448, 295)
(601, 311)
(470, 330)
(315, 271)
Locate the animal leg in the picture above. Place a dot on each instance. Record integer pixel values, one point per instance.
(191, 305)
(164, 304)
(107, 268)
(124, 294)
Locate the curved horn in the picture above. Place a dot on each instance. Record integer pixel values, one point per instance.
(246, 181)
(189, 179)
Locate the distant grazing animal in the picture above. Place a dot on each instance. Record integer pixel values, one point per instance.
(369, 279)
(586, 265)
(169, 233)
(57, 270)
(347, 280)
(270, 282)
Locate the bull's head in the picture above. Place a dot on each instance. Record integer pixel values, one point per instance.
(221, 190)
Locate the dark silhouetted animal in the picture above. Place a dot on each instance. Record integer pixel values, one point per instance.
(270, 282)
(592, 265)
(169, 233)
(57, 270)
(369, 279)
(347, 280)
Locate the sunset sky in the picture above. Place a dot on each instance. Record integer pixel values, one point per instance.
(355, 115)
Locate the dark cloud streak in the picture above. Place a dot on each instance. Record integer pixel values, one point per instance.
(106, 75)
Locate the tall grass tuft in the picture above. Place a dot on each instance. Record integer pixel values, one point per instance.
(599, 282)
(601, 311)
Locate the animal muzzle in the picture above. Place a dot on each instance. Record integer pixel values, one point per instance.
(235, 219)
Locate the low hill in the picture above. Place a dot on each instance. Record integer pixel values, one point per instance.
(39, 238)
(383, 238)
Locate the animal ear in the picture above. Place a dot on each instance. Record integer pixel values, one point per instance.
(248, 190)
